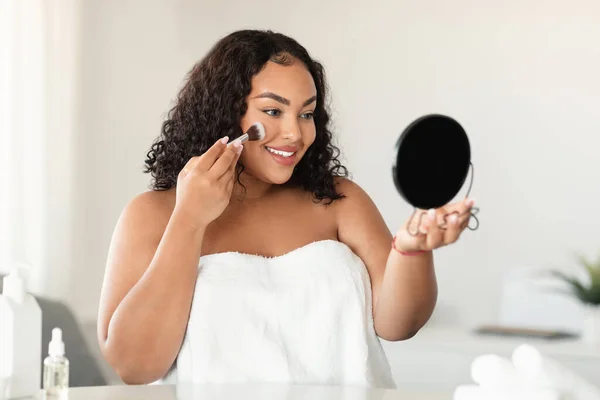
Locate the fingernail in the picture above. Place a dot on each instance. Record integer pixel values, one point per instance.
(431, 214)
(453, 219)
(237, 144)
(238, 147)
(225, 139)
(471, 202)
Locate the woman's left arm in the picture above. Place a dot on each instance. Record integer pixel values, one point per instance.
(404, 286)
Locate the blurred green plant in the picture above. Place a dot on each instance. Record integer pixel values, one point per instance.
(586, 292)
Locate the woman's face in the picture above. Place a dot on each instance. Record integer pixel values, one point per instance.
(283, 99)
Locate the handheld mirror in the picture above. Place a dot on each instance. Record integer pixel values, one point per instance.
(433, 158)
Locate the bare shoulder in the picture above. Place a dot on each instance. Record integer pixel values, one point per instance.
(355, 197)
(145, 217)
(153, 201)
(151, 207)
(360, 224)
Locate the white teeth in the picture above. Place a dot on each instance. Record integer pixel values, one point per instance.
(281, 153)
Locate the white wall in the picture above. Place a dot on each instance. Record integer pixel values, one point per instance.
(39, 72)
(521, 76)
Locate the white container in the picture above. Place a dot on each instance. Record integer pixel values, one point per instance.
(20, 339)
(591, 324)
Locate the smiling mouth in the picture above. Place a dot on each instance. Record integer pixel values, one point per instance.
(281, 153)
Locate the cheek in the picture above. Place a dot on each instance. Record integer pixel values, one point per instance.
(271, 125)
(272, 128)
(250, 153)
(252, 116)
(245, 157)
(309, 135)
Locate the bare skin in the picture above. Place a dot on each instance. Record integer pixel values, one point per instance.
(160, 237)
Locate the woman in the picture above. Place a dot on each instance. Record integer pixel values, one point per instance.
(260, 262)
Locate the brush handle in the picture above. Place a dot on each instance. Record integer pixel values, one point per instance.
(241, 139)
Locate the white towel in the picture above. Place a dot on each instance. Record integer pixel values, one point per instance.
(491, 371)
(475, 392)
(546, 373)
(304, 317)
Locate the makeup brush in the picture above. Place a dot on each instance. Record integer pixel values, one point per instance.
(255, 132)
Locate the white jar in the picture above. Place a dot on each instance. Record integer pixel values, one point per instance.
(591, 324)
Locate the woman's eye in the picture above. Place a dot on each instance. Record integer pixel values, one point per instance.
(276, 113)
(273, 113)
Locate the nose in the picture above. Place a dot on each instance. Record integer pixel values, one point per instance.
(291, 130)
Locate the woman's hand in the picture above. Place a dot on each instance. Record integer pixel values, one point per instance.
(205, 184)
(436, 228)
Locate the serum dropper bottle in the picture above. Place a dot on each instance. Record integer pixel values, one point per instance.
(56, 368)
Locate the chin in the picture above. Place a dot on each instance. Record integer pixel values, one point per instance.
(279, 179)
(270, 176)
(277, 174)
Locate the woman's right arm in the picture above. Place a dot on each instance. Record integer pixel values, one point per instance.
(152, 268)
(147, 292)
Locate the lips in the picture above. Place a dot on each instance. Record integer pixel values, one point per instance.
(285, 155)
(291, 149)
(284, 152)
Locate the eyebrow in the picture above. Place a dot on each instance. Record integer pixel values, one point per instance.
(282, 100)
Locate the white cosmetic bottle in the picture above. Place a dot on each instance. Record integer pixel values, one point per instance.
(56, 368)
(20, 338)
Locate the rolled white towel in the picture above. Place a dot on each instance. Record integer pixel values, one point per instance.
(544, 372)
(495, 372)
(3, 385)
(475, 392)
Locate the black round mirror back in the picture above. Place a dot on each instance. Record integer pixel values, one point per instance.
(432, 161)
(433, 157)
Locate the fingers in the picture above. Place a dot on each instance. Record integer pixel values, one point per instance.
(206, 160)
(188, 166)
(413, 225)
(462, 208)
(453, 229)
(226, 161)
(435, 235)
(229, 174)
(464, 213)
(457, 221)
(436, 228)
(466, 206)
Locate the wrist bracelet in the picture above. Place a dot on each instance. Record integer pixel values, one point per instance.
(406, 253)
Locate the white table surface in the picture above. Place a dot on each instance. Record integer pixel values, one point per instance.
(245, 392)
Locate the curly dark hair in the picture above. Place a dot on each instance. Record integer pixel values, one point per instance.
(213, 100)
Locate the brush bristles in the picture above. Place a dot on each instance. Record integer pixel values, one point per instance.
(256, 132)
